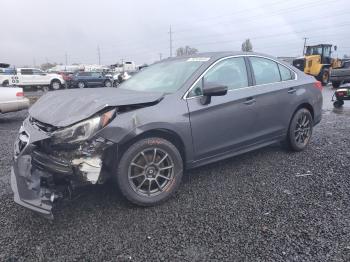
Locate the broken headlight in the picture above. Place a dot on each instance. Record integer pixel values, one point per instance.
(83, 130)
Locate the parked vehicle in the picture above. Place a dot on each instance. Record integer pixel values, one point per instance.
(177, 114)
(340, 75)
(91, 79)
(12, 99)
(28, 77)
(318, 62)
(67, 77)
(341, 94)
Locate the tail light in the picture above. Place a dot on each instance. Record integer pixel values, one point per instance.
(318, 85)
(19, 94)
(341, 93)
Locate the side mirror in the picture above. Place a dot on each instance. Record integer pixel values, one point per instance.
(212, 89)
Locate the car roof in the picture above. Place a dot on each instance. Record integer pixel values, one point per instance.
(222, 54)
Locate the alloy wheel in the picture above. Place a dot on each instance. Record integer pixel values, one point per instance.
(151, 172)
(302, 132)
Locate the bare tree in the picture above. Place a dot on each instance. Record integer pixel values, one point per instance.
(47, 66)
(247, 46)
(182, 51)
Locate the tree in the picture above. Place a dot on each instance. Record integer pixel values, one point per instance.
(47, 66)
(247, 46)
(182, 51)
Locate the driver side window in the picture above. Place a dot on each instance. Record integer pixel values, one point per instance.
(231, 72)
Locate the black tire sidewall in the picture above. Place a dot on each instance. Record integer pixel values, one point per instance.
(123, 166)
(291, 137)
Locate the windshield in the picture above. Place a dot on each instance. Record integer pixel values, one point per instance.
(167, 76)
(314, 50)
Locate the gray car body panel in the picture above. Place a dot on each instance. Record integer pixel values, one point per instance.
(223, 128)
(67, 107)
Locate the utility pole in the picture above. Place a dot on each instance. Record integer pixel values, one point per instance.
(160, 56)
(66, 58)
(34, 62)
(305, 38)
(99, 55)
(171, 42)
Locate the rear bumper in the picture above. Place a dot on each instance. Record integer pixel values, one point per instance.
(15, 105)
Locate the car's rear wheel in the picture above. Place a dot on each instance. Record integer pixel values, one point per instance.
(55, 85)
(338, 103)
(5, 83)
(81, 85)
(108, 83)
(300, 130)
(150, 171)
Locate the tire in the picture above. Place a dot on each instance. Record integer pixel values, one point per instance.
(150, 174)
(324, 76)
(336, 84)
(55, 85)
(338, 103)
(5, 83)
(300, 130)
(108, 83)
(81, 85)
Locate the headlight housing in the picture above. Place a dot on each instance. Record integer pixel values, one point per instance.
(83, 130)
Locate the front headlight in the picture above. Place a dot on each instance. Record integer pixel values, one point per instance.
(83, 130)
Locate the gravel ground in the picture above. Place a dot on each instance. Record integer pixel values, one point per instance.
(267, 205)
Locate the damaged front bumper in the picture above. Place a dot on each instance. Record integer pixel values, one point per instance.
(41, 174)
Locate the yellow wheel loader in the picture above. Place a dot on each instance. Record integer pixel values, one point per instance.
(318, 62)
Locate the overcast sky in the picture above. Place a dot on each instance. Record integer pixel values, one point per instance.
(43, 30)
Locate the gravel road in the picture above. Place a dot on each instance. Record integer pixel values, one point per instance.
(267, 205)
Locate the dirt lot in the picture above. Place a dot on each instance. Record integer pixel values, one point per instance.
(267, 205)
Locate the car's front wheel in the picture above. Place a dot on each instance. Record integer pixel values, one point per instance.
(150, 171)
(300, 130)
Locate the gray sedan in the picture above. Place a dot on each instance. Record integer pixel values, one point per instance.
(177, 114)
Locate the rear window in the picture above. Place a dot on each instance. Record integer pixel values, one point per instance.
(265, 70)
(286, 74)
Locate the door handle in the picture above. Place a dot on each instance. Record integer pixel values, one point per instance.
(249, 101)
(291, 90)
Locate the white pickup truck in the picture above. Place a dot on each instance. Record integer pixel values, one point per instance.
(12, 99)
(28, 77)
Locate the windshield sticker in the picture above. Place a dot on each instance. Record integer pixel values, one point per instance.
(198, 59)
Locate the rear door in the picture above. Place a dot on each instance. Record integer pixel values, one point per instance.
(26, 77)
(226, 123)
(275, 94)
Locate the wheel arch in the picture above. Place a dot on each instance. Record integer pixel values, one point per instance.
(55, 80)
(306, 105)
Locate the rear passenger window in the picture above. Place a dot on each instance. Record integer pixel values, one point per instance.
(26, 71)
(265, 70)
(286, 74)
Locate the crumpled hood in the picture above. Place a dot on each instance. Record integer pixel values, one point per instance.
(66, 107)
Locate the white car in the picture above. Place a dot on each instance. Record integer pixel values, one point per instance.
(27, 77)
(12, 99)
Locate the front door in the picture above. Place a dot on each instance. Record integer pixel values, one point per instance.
(226, 123)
